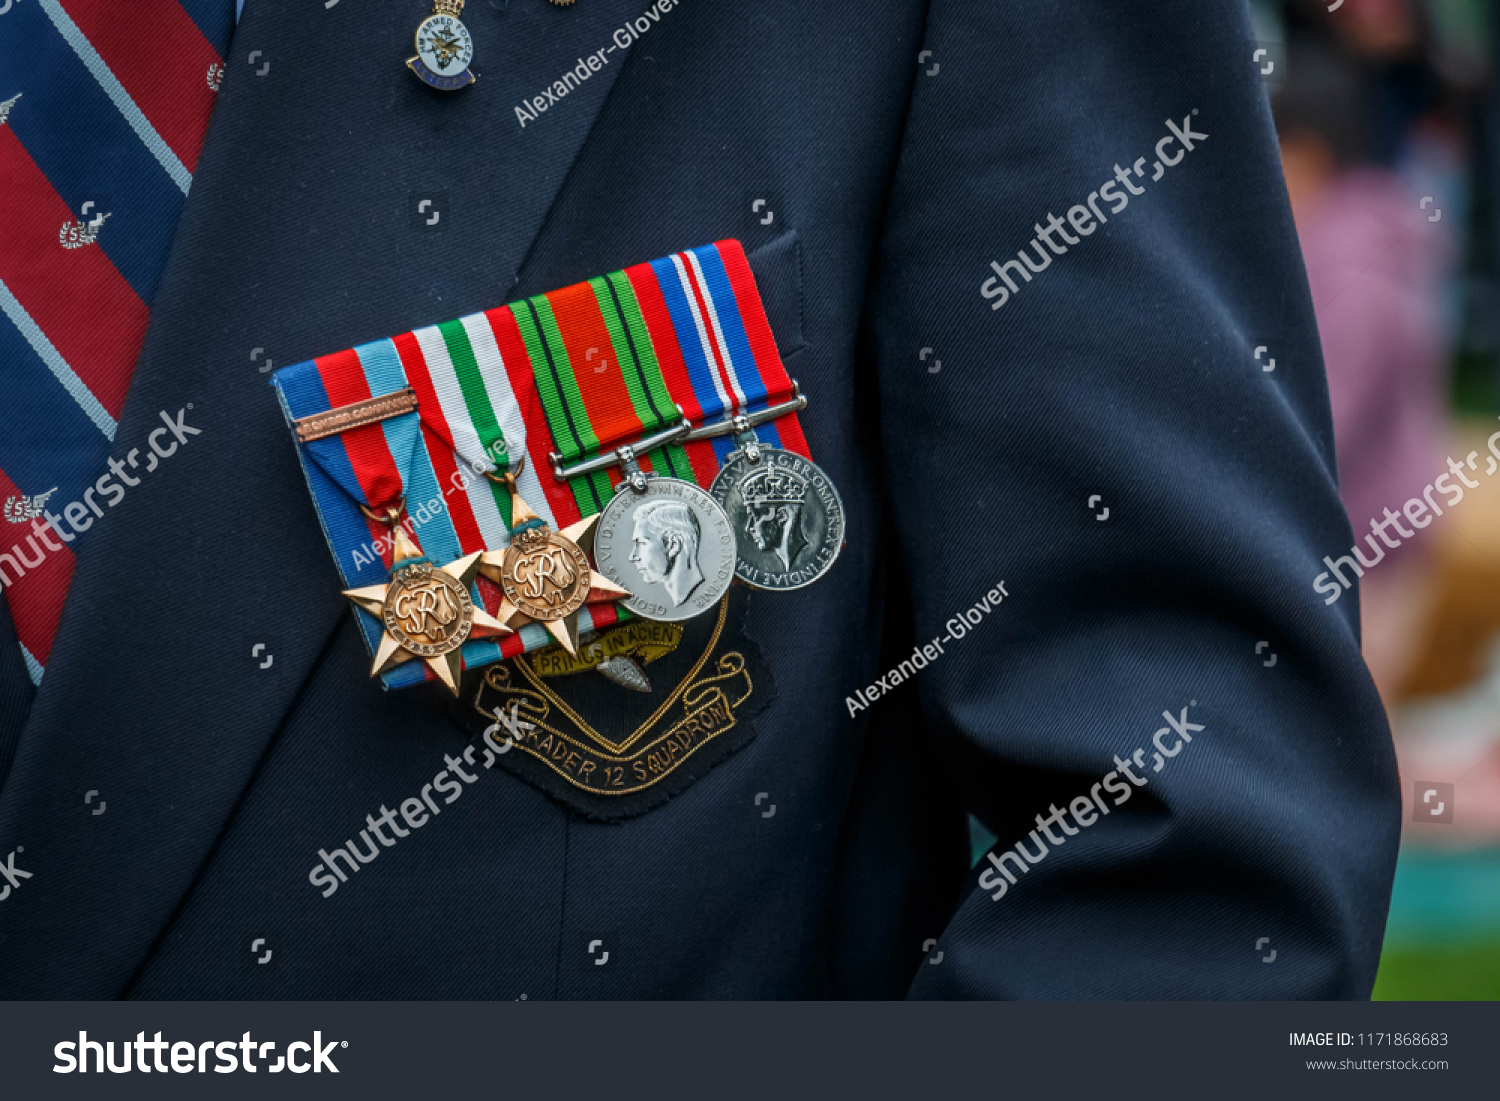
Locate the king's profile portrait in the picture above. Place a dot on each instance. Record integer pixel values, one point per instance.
(665, 547)
(773, 513)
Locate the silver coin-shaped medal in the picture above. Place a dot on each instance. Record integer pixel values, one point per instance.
(787, 515)
(671, 546)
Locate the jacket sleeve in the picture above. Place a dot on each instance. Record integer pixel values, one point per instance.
(1160, 710)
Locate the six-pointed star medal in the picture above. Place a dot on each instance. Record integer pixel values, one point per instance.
(545, 575)
(427, 612)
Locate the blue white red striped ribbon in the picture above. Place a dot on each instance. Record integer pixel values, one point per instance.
(475, 384)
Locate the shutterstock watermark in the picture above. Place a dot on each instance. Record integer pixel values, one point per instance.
(624, 38)
(80, 515)
(1086, 219)
(11, 875)
(424, 512)
(955, 629)
(190, 1057)
(1088, 809)
(415, 812)
(1418, 513)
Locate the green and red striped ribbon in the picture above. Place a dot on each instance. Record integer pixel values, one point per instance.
(614, 357)
(584, 369)
(598, 379)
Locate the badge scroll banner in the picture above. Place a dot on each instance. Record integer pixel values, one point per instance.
(593, 366)
(438, 80)
(643, 639)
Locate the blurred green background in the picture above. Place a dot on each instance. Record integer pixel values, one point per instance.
(1443, 937)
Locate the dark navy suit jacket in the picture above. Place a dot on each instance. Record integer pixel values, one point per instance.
(1118, 371)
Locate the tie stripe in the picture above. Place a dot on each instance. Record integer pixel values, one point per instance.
(52, 358)
(44, 575)
(117, 94)
(76, 297)
(85, 148)
(33, 667)
(106, 103)
(214, 19)
(174, 98)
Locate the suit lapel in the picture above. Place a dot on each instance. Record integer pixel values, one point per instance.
(16, 690)
(301, 236)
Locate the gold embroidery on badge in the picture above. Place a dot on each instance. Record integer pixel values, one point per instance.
(640, 638)
(566, 743)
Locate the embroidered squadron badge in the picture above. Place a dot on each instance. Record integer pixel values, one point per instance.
(609, 753)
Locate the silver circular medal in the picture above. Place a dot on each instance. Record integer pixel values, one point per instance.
(788, 518)
(670, 545)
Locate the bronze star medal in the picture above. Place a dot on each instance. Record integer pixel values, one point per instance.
(427, 611)
(544, 574)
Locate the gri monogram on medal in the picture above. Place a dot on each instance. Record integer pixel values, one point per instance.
(426, 609)
(786, 505)
(544, 575)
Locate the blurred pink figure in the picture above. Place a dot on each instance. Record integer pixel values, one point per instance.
(1376, 264)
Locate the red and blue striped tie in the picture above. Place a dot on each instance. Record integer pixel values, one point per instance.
(103, 108)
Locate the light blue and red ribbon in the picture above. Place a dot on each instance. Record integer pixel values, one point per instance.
(686, 330)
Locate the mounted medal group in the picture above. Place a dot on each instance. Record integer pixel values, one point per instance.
(491, 495)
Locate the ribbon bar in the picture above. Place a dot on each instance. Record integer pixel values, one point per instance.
(743, 422)
(636, 358)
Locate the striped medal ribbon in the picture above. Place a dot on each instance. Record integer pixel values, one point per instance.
(633, 353)
(691, 346)
(415, 422)
(472, 409)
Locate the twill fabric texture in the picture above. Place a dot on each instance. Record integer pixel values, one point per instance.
(1117, 371)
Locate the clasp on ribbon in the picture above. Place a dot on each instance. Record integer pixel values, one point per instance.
(742, 425)
(624, 456)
